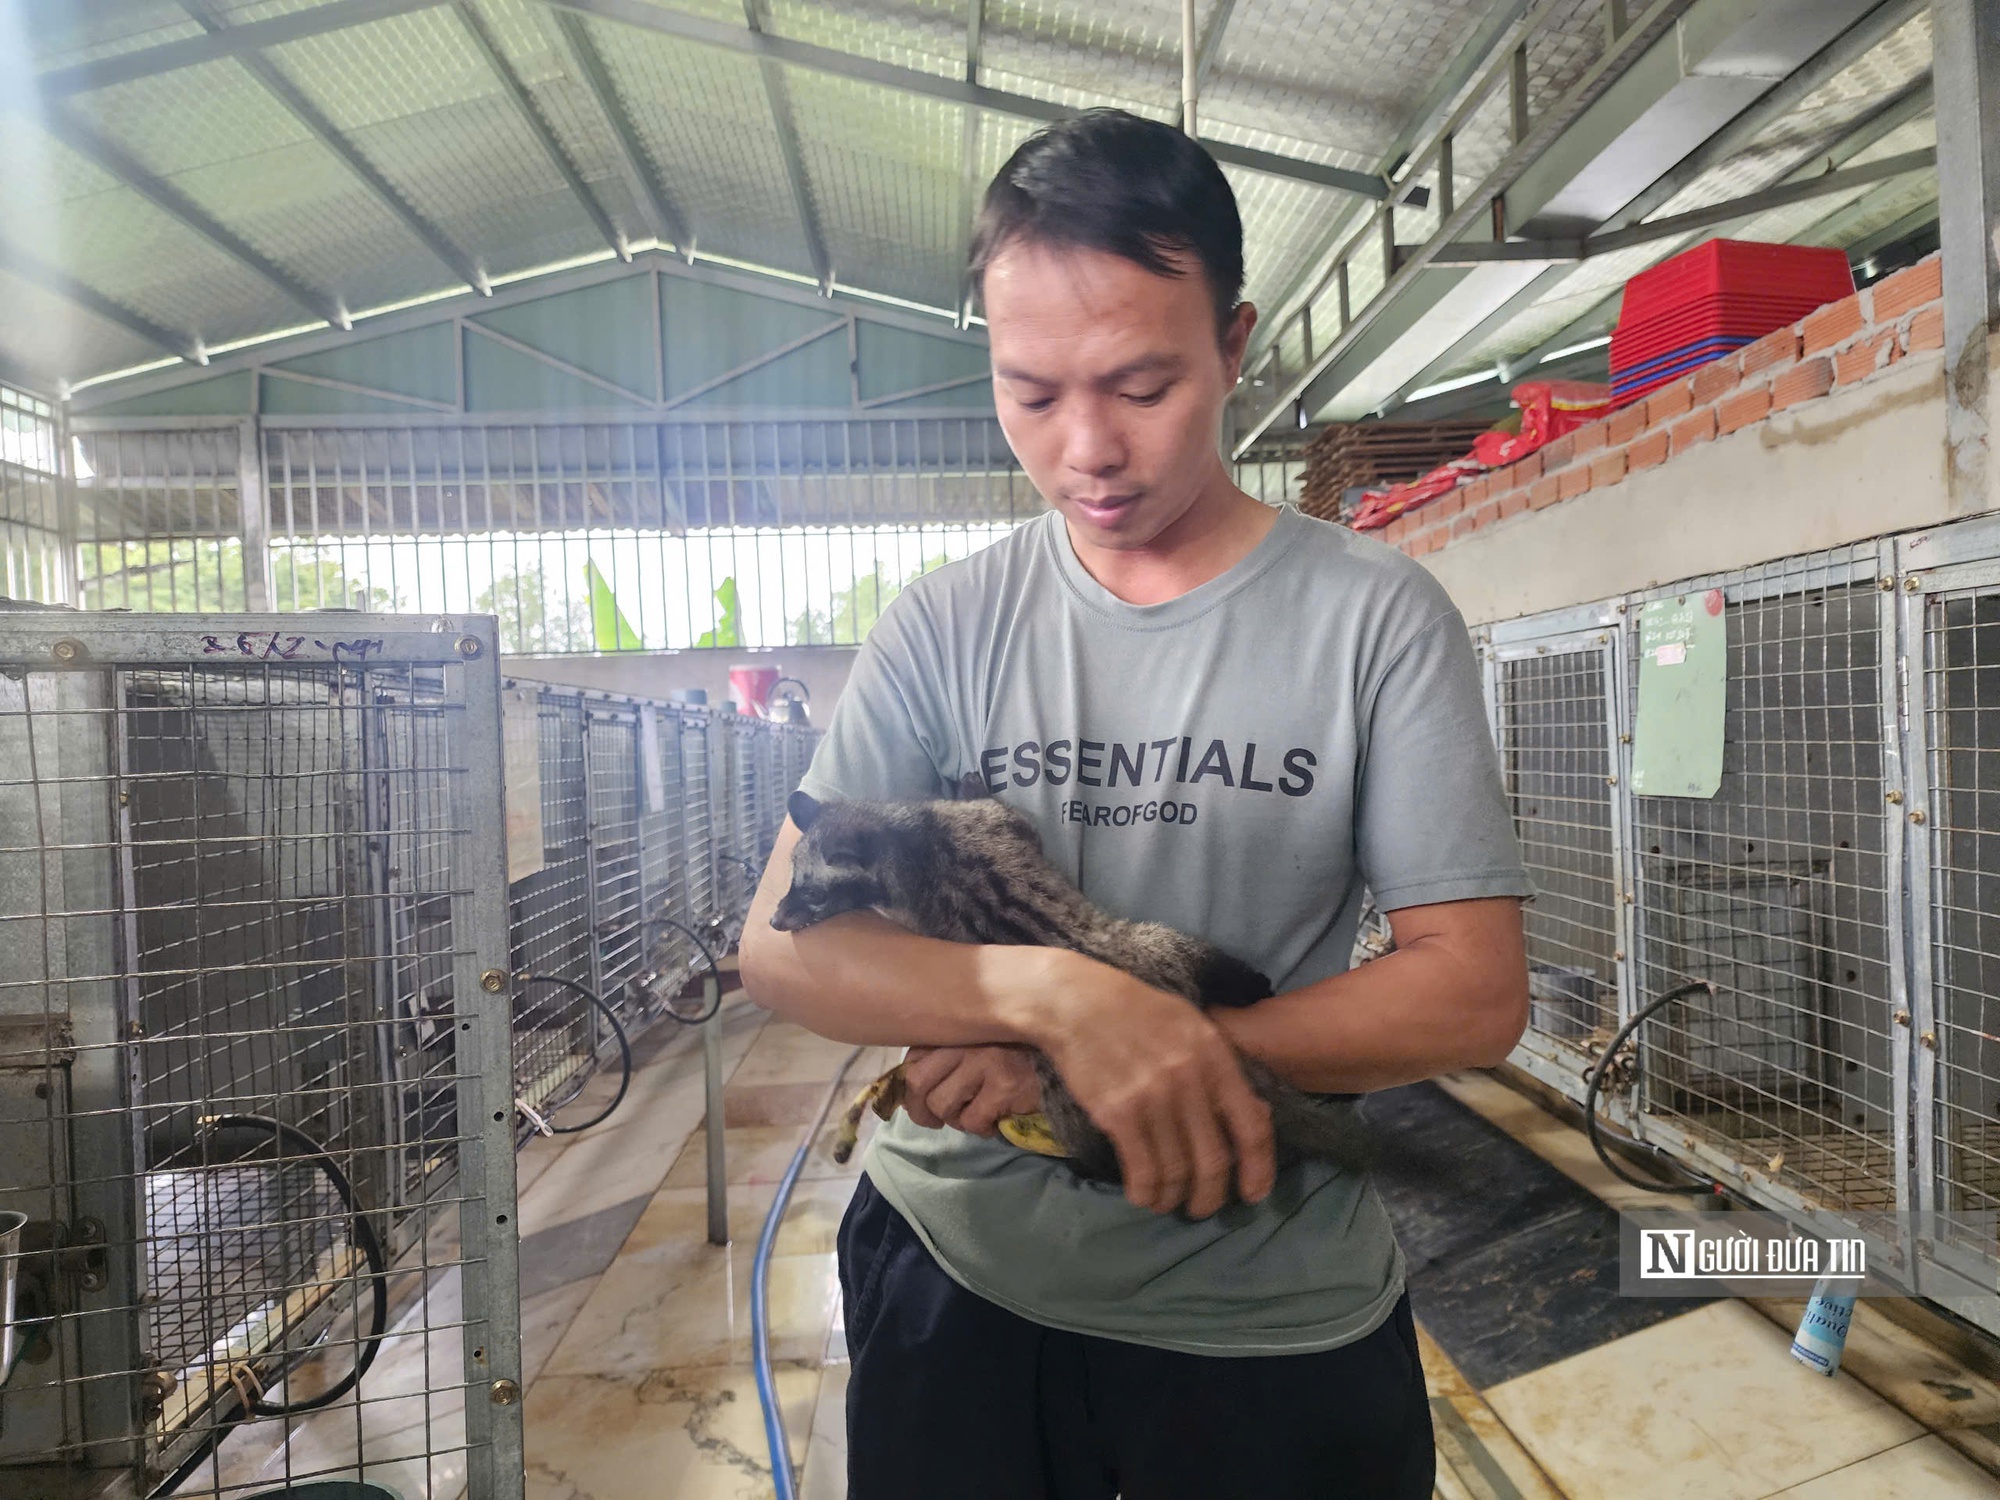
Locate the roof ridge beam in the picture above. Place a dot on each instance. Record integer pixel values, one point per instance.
(669, 220)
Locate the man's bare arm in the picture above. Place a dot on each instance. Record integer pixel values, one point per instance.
(1453, 995)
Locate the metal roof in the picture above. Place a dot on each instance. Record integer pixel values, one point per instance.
(179, 176)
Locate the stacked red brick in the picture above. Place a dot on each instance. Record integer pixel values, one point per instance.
(1842, 344)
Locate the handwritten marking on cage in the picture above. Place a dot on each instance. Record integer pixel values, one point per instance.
(278, 646)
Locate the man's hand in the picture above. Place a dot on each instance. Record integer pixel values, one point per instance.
(1163, 1082)
(969, 1088)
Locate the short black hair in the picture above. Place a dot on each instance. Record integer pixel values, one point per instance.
(1135, 188)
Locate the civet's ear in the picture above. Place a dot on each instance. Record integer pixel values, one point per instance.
(971, 787)
(803, 808)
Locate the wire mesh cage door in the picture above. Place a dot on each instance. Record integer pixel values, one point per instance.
(1781, 892)
(551, 921)
(1554, 705)
(613, 789)
(736, 867)
(1952, 630)
(250, 915)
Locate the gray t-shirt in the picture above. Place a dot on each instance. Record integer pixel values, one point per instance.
(1239, 762)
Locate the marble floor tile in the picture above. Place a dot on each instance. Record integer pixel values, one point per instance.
(680, 1312)
(629, 1154)
(1926, 1468)
(1708, 1405)
(825, 1474)
(787, 1053)
(544, 1321)
(1478, 1438)
(762, 1153)
(812, 1221)
(685, 1434)
(576, 1249)
(771, 1103)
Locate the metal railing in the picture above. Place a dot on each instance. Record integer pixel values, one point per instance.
(579, 536)
(1837, 891)
(35, 561)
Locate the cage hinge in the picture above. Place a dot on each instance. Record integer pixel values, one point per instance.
(1903, 692)
(58, 1262)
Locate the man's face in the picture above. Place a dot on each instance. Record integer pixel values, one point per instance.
(1110, 383)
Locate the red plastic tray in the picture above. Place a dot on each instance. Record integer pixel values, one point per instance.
(1738, 267)
(1630, 345)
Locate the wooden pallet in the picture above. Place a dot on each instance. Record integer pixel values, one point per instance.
(1376, 454)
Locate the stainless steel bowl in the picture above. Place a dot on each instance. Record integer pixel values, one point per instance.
(11, 1225)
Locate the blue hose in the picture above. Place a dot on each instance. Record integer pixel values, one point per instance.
(775, 1436)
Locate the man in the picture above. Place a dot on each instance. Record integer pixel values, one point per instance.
(1223, 717)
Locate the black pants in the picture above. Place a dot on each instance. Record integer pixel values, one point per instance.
(953, 1395)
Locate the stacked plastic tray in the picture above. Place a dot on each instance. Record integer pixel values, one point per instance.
(1713, 299)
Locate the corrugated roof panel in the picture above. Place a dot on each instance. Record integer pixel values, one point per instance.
(884, 169)
(219, 136)
(415, 96)
(527, 33)
(111, 239)
(1344, 82)
(46, 335)
(927, 35)
(704, 117)
(1281, 219)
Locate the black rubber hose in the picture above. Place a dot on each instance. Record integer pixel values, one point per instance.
(707, 957)
(1594, 1078)
(365, 1240)
(624, 1054)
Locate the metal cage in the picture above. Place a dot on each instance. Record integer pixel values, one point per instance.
(1837, 892)
(253, 1068)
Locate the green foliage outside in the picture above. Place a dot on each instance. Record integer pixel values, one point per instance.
(855, 609)
(534, 618)
(195, 573)
(729, 622)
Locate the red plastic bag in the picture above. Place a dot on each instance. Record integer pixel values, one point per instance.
(1549, 410)
(1380, 507)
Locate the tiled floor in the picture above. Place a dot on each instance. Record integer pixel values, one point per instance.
(636, 1332)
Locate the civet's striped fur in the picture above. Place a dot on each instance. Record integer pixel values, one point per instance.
(973, 871)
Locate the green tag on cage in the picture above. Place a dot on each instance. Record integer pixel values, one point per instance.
(1683, 687)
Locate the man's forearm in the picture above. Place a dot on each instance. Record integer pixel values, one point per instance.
(860, 978)
(1418, 1012)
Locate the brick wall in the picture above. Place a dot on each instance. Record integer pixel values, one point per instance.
(1841, 345)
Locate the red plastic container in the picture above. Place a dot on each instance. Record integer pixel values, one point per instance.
(1811, 274)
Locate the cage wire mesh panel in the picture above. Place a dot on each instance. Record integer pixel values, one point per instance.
(1554, 705)
(248, 888)
(1961, 723)
(33, 561)
(1776, 892)
(613, 795)
(550, 915)
(616, 535)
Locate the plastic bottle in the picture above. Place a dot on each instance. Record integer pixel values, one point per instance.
(1822, 1334)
